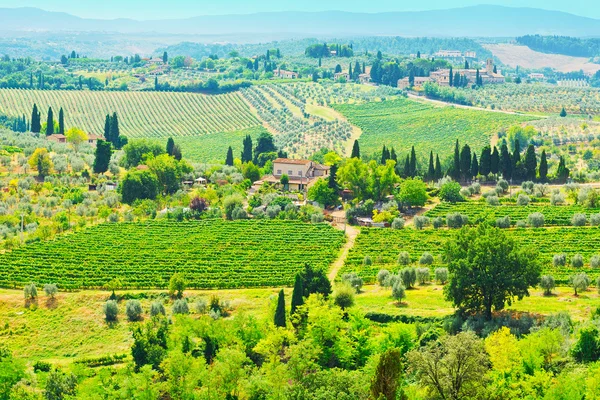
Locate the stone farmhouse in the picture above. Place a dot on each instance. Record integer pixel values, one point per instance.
(442, 76)
(286, 74)
(301, 173)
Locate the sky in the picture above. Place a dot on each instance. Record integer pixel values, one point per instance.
(161, 9)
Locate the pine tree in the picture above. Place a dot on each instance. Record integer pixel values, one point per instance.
(431, 169)
(280, 311)
(50, 123)
(530, 163)
(495, 161)
(355, 150)
(485, 161)
(61, 121)
(229, 158)
(474, 166)
(465, 162)
(438, 167)
(413, 162)
(102, 156)
(543, 167)
(297, 299)
(170, 146)
(36, 125)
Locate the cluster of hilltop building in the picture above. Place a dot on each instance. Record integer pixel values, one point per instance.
(489, 75)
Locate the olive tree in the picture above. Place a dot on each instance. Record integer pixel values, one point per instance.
(353, 280)
(577, 261)
(30, 292)
(133, 310)
(420, 221)
(180, 307)
(157, 308)
(580, 282)
(50, 289)
(547, 283)
(559, 260)
(503, 222)
(426, 259)
(441, 275)
(408, 276)
(111, 310)
(382, 277)
(423, 275)
(536, 219)
(595, 261)
(456, 220)
(403, 258)
(579, 219)
(343, 296)
(398, 290)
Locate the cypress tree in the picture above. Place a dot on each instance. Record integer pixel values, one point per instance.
(383, 151)
(102, 159)
(530, 163)
(466, 64)
(297, 299)
(165, 57)
(50, 123)
(455, 171)
(350, 71)
(563, 113)
(495, 161)
(474, 166)
(247, 151)
(35, 120)
(485, 161)
(563, 172)
(61, 121)
(465, 161)
(431, 169)
(280, 311)
(31, 80)
(505, 162)
(516, 156)
(107, 129)
(332, 177)
(543, 167)
(156, 83)
(355, 150)
(438, 167)
(450, 78)
(413, 162)
(229, 158)
(406, 172)
(393, 155)
(114, 131)
(170, 146)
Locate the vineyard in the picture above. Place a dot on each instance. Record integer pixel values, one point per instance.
(210, 254)
(480, 212)
(141, 114)
(402, 123)
(383, 247)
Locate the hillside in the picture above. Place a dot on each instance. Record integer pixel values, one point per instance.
(483, 20)
(524, 57)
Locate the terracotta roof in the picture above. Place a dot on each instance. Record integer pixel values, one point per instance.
(57, 136)
(95, 137)
(142, 167)
(291, 161)
(322, 167)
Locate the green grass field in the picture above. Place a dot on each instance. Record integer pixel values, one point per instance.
(402, 123)
(209, 253)
(384, 245)
(141, 114)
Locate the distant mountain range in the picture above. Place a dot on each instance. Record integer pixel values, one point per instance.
(476, 21)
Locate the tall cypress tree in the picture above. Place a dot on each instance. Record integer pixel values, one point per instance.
(61, 121)
(383, 155)
(280, 311)
(297, 299)
(102, 159)
(516, 156)
(355, 150)
(332, 177)
(530, 163)
(543, 167)
(465, 162)
(107, 129)
(114, 131)
(505, 162)
(406, 172)
(485, 161)
(474, 166)
(455, 171)
(450, 78)
(495, 161)
(562, 173)
(431, 169)
(170, 146)
(229, 158)
(247, 152)
(413, 162)
(50, 123)
(438, 167)
(36, 125)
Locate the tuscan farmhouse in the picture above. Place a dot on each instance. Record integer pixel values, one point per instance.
(442, 76)
(286, 74)
(301, 173)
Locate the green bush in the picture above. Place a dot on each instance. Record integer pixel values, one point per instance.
(111, 310)
(133, 310)
(180, 307)
(157, 308)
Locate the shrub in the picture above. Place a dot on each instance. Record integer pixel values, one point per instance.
(523, 200)
(441, 275)
(426, 259)
(420, 221)
(423, 275)
(392, 279)
(367, 261)
(450, 192)
(595, 261)
(343, 296)
(238, 213)
(503, 222)
(577, 261)
(180, 307)
(557, 199)
(540, 189)
(353, 280)
(580, 282)
(157, 308)
(133, 309)
(111, 310)
(177, 285)
(527, 186)
(403, 258)
(398, 223)
(50, 289)
(383, 276)
(559, 260)
(536, 219)
(503, 184)
(521, 224)
(547, 283)
(398, 290)
(317, 218)
(465, 192)
(475, 188)
(579, 220)
(437, 222)
(42, 366)
(201, 306)
(456, 220)
(408, 277)
(492, 201)
(595, 219)
(30, 292)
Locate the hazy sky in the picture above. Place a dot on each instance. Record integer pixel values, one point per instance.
(160, 9)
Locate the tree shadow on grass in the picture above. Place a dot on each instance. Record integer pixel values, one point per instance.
(51, 303)
(31, 304)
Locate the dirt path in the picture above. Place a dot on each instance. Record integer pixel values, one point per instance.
(351, 234)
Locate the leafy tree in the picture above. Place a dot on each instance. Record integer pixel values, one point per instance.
(177, 285)
(297, 294)
(587, 347)
(169, 172)
(229, 158)
(103, 153)
(111, 310)
(60, 385)
(450, 192)
(251, 171)
(150, 343)
(138, 151)
(280, 311)
(12, 370)
(314, 281)
(50, 290)
(452, 367)
(408, 276)
(343, 296)
(547, 283)
(133, 310)
(41, 162)
(139, 185)
(76, 136)
(412, 193)
(323, 194)
(488, 269)
(387, 375)
(264, 144)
